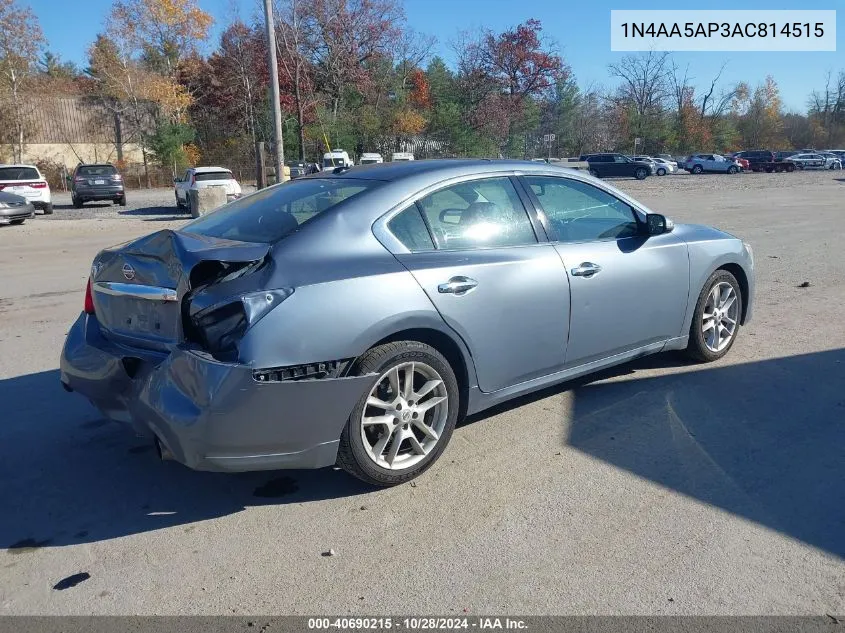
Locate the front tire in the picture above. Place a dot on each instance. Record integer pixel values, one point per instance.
(715, 322)
(403, 423)
(697, 169)
(77, 203)
(594, 173)
(661, 172)
(641, 173)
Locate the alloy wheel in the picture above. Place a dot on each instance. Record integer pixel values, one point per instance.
(405, 414)
(720, 317)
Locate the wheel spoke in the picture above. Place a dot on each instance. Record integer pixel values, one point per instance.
(381, 419)
(715, 294)
(710, 323)
(425, 428)
(378, 447)
(409, 381)
(422, 407)
(729, 320)
(372, 401)
(427, 388)
(394, 447)
(393, 378)
(415, 445)
(729, 301)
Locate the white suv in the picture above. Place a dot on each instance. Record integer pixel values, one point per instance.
(197, 178)
(27, 181)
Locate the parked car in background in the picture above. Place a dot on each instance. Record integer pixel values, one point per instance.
(839, 152)
(713, 163)
(26, 181)
(657, 167)
(96, 182)
(401, 156)
(613, 165)
(196, 178)
(670, 165)
(765, 160)
(809, 161)
(15, 209)
(370, 158)
(667, 157)
(298, 168)
(832, 160)
(345, 318)
(336, 158)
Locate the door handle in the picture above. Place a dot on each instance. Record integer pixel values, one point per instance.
(586, 269)
(457, 285)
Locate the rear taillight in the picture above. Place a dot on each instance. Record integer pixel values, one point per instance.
(117, 177)
(89, 298)
(80, 179)
(38, 185)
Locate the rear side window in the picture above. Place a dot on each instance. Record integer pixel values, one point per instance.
(213, 175)
(273, 213)
(484, 213)
(410, 229)
(19, 173)
(96, 170)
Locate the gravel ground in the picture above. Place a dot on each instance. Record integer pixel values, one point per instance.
(661, 487)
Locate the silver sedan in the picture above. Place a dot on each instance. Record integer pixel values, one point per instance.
(353, 316)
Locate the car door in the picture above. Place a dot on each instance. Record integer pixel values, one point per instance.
(182, 186)
(628, 289)
(621, 166)
(504, 292)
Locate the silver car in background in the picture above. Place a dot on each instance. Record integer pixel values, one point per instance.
(715, 163)
(352, 317)
(15, 209)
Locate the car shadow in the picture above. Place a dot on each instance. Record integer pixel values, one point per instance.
(154, 213)
(87, 205)
(763, 440)
(69, 476)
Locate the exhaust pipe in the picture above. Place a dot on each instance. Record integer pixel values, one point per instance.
(163, 452)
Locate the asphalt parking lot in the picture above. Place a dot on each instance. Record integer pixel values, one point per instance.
(662, 487)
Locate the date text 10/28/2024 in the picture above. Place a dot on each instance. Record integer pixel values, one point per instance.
(417, 624)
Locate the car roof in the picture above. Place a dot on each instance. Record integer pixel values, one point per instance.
(200, 170)
(18, 165)
(435, 168)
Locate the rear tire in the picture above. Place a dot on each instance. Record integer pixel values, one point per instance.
(77, 203)
(702, 346)
(790, 168)
(122, 201)
(661, 172)
(365, 449)
(732, 170)
(48, 208)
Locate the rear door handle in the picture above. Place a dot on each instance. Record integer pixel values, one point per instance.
(586, 269)
(457, 285)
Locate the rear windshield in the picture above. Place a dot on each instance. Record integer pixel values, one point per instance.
(333, 162)
(97, 170)
(19, 173)
(213, 175)
(369, 161)
(272, 213)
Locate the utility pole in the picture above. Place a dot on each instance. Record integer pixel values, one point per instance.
(274, 90)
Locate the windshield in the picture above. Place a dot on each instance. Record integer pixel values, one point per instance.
(18, 173)
(273, 213)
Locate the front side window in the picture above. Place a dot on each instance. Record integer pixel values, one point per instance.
(620, 159)
(580, 212)
(273, 213)
(478, 214)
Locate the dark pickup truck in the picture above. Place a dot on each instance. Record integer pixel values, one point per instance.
(764, 160)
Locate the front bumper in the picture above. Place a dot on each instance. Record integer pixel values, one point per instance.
(210, 415)
(15, 214)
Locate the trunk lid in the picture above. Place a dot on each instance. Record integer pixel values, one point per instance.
(139, 286)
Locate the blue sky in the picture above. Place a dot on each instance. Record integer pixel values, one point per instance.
(581, 30)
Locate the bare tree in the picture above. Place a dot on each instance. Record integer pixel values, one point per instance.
(21, 41)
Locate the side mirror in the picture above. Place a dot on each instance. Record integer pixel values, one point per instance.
(177, 179)
(658, 224)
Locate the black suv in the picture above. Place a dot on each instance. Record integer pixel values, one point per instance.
(96, 182)
(616, 166)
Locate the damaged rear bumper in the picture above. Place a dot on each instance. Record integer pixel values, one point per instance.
(210, 415)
